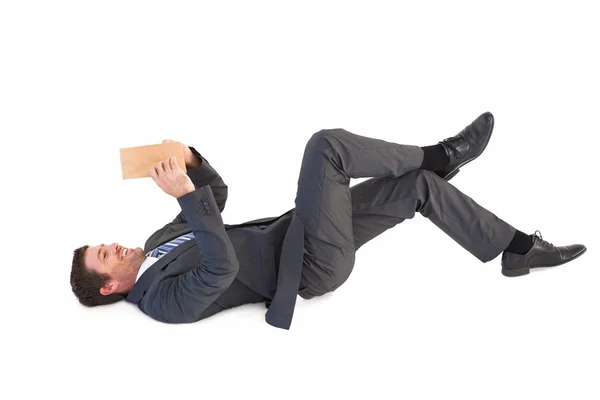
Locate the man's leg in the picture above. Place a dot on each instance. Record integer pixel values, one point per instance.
(323, 201)
(324, 204)
(379, 204)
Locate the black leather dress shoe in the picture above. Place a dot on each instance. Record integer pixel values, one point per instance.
(542, 254)
(467, 145)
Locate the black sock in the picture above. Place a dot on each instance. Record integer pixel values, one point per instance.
(520, 244)
(434, 158)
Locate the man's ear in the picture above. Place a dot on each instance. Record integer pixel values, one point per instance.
(109, 287)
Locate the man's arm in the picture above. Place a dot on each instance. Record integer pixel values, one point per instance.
(202, 173)
(183, 298)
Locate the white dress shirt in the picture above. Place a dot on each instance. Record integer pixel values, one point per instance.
(145, 265)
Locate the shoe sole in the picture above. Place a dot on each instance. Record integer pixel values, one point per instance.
(459, 166)
(452, 174)
(524, 271)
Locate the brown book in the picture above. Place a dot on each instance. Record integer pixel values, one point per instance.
(137, 161)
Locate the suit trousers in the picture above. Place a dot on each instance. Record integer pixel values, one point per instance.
(338, 219)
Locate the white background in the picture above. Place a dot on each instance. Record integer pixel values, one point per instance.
(247, 83)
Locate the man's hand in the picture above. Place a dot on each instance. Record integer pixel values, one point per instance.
(191, 161)
(171, 179)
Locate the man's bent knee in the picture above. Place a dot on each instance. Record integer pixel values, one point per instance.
(322, 140)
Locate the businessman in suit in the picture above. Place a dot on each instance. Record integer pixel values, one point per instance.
(196, 266)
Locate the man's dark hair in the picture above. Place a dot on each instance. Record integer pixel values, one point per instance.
(86, 284)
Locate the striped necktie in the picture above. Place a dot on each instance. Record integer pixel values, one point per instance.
(165, 248)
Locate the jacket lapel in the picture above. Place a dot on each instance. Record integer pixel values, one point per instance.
(140, 287)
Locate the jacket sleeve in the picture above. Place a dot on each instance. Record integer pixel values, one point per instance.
(202, 176)
(183, 298)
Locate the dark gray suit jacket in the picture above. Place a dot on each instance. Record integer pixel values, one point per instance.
(225, 266)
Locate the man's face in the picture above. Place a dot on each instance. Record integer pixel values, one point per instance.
(120, 263)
